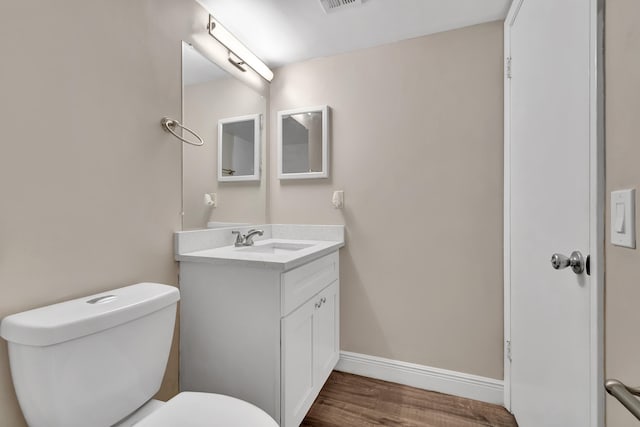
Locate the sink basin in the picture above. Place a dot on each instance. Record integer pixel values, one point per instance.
(276, 248)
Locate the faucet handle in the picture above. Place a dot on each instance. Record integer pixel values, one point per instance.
(239, 238)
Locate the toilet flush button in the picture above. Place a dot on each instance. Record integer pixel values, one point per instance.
(102, 300)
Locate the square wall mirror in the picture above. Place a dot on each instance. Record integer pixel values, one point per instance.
(239, 148)
(303, 143)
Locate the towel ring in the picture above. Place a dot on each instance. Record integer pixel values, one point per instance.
(169, 125)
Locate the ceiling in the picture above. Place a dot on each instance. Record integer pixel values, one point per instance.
(286, 31)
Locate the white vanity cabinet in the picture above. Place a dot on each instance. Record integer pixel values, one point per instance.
(259, 333)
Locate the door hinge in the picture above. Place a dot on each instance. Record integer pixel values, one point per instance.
(508, 67)
(508, 349)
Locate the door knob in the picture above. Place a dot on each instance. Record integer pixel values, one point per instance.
(575, 261)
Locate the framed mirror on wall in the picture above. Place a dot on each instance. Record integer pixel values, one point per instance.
(303, 143)
(210, 97)
(239, 148)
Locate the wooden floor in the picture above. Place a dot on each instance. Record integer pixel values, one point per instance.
(350, 400)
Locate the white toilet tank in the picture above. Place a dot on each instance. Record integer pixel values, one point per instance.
(91, 361)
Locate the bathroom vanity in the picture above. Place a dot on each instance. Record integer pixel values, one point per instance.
(261, 322)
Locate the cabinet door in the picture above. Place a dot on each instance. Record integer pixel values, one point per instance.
(327, 333)
(299, 387)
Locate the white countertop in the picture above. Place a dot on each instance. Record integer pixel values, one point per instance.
(283, 261)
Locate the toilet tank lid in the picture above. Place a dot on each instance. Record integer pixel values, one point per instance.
(76, 318)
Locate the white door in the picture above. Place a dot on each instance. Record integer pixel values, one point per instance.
(327, 332)
(298, 367)
(553, 377)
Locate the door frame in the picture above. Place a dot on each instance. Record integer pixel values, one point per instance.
(597, 208)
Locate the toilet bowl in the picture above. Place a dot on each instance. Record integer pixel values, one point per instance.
(192, 409)
(97, 361)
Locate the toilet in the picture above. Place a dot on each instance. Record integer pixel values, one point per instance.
(97, 361)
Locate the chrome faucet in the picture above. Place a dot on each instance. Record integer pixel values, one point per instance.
(246, 239)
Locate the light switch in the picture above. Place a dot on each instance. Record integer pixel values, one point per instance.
(623, 218)
(619, 226)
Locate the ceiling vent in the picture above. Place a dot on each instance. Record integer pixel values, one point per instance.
(331, 6)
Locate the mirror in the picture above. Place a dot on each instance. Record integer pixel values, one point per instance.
(210, 98)
(303, 143)
(239, 148)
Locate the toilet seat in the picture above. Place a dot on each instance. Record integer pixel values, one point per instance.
(192, 409)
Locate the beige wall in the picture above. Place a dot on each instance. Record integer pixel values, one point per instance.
(622, 61)
(417, 148)
(90, 184)
(203, 105)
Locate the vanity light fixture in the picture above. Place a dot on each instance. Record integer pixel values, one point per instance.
(240, 51)
(237, 62)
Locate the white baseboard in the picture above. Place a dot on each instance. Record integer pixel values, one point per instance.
(424, 377)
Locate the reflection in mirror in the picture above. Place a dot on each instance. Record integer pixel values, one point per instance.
(239, 148)
(303, 143)
(211, 95)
